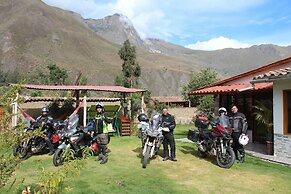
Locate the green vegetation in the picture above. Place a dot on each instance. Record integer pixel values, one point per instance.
(191, 174)
(130, 68)
(57, 75)
(199, 80)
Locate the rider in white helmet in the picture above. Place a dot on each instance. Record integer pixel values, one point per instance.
(223, 119)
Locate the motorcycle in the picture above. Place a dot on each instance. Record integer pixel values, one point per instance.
(76, 142)
(152, 138)
(35, 142)
(217, 141)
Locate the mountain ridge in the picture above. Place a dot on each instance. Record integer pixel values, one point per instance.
(33, 34)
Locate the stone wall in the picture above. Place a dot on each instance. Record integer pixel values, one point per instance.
(183, 115)
(282, 146)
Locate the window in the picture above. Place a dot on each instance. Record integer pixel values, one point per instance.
(287, 111)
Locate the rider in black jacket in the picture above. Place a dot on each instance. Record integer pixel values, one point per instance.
(239, 126)
(45, 119)
(168, 121)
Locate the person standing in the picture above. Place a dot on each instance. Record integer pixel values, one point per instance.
(239, 126)
(168, 121)
(100, 124)
(223, 119)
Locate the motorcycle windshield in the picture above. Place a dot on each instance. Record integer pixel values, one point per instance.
(155, 122)
(73, 122)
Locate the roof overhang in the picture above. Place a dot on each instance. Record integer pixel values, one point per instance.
(280, 74)
(233, 89)
(119, 89)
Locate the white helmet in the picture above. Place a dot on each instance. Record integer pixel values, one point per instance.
(222, 109)
(243, 139)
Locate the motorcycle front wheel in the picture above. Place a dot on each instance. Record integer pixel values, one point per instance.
(16, 150)
(146, 157)
(227, 160)
(58, 158)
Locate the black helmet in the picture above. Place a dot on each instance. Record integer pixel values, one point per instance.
(99, 105)
(142, 117)
(45, 109)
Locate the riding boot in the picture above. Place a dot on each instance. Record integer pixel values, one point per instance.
(99, 157)
(51, 147)
(242, 158)
(104, 159)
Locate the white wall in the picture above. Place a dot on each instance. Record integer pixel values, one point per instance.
(278, 88)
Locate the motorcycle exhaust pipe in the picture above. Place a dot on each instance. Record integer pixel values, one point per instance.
(200, 147)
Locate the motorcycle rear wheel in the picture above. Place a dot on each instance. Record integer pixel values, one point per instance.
(228, 160)
(146, 157)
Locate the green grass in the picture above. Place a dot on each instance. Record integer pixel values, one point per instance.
(123, 173)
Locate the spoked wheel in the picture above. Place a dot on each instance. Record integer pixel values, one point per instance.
(59, 157)
(146, 157)
(227, 160)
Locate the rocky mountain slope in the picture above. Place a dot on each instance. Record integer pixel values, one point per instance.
(33, 34)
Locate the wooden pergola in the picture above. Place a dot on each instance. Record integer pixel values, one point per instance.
(77, 89)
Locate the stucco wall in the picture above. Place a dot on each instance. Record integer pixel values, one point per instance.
(282, 143)
(278, 88)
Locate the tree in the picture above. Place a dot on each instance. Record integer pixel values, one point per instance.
(130, 68)
(57, 75)
(198, 80)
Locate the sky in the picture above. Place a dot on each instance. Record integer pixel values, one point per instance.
(197, 24)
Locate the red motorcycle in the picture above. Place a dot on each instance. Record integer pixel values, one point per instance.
(216, 141)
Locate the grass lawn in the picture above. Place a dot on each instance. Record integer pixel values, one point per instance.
(123, 172)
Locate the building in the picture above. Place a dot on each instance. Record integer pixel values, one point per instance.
(242, 91)
(281, 79)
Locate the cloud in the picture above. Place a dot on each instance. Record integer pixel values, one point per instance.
(156, 19)
(217, 43)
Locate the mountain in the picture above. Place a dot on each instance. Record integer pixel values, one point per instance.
(226, 61)
(33, 34)
(116, 28)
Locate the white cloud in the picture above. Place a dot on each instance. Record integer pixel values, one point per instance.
(217, 43)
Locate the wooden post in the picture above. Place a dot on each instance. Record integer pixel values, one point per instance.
(77, 98)
(85, 111)
(14, 111)
(142, 102)
(124, 105)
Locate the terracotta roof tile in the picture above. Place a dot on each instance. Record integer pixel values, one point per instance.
(274, 74)
(236, 88)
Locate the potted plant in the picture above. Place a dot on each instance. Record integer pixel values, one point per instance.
(264, 114)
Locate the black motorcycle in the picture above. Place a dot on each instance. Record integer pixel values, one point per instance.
(76, 142)
(35, 141)
(217, 141)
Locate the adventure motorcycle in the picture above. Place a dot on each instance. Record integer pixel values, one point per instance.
(37, 142)
(152, 138)
(217, 141)
(76, 142)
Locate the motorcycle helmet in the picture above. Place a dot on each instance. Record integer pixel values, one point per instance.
(99, 105)
(45, 109)
(243, 139)
(222, 109)
(142, 117)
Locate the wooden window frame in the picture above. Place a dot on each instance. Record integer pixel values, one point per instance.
(285, 112)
